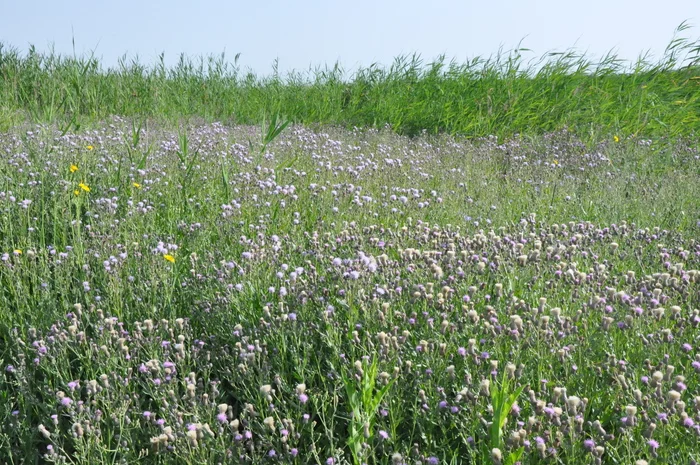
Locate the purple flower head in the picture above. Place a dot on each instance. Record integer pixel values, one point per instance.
(383, 434)
(653, 444)
(221, 418)
(589, 444)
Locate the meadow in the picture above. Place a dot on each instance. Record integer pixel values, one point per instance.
(363, 280)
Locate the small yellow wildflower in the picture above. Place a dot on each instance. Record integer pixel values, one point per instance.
(76, 192)
(90, 147)
(616, 139)
(169, 258)
(84, 187)
(18, 251)
(137, 185)
(555, 162)
(73, 168)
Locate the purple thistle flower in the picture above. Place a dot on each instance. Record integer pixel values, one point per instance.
(383, 434)
(589, 444)
(653, 444)
(221, 418)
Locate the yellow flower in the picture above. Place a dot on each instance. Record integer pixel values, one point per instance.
(616, 139)
(18, 251)
(169, 258)
(76, 192)
(137, 185)
(73, 168)
(89, 147)
(555, 162)
(84, 187)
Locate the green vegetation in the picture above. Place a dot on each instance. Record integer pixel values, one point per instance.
(428, 300)
(500, 95)
(180, 291)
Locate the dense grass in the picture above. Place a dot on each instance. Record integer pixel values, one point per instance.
(500, 95)
(174, 290)
(210, 295)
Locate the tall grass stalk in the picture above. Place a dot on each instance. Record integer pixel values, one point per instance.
(500, 95)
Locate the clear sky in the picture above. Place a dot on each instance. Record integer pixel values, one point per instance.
(304, 33)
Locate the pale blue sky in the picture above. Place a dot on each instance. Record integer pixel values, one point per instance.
(303, 33)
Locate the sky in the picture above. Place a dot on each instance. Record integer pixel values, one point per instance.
(303, 34)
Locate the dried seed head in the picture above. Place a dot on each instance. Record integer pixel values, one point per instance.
(572, 404)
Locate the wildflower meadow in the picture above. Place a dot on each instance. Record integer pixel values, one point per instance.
(190, 289)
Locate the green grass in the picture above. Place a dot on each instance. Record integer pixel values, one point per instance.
(515, 283)
(91, 309)
(500, 95)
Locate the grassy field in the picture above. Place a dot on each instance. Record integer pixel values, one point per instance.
(500, 95)
(177, 290)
